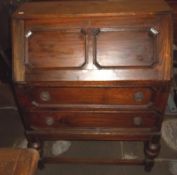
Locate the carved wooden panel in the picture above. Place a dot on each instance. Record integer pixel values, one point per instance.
(55, 48)
(126, 48)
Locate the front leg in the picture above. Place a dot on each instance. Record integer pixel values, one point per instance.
(39, 146)
(151, 150)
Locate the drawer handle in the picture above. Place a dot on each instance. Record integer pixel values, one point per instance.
(34, 103)
(137, 121)
(45, 96)
(49, 121)
(138, 96)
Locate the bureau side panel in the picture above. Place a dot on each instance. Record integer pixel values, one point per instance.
(18, 50)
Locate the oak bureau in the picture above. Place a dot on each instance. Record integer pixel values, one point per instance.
(93, 70)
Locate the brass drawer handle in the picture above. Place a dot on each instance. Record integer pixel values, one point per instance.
(45, 96)
(137, 121)
(49, 121)
(138, 96)
(34, 103)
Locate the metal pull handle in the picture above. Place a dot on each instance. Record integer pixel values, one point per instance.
(138, 96)
(49, 121)
(137, 121)
(34, 103)
(45, 96)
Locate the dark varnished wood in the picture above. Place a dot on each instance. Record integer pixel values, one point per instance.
(93, 98)
(93, 161)
(102, 8)
(133, 47)
(96, 73)
(89, 64)
(64, 119)
(109, 96)
(173, 6)
(107, 134)
(66, 48)
(151, 150)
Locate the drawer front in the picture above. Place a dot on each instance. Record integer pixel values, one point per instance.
(58, 97)
(93, 119)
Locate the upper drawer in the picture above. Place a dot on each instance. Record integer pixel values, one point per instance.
(100, 49)
(93, 98)
(84, 98)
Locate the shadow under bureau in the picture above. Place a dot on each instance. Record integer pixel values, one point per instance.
(93, 70)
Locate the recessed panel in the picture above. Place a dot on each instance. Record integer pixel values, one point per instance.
(125, 48)
(55, 49)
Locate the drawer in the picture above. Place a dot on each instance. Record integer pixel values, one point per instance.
(62, 119)
(70, 97)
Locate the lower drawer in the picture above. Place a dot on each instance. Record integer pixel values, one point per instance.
(63, 119)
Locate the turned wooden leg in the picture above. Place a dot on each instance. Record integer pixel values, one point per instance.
(38, 145)
(149, 163)
(151, 150)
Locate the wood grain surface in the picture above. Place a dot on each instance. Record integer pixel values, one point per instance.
(18, 161)
(90, 8)
(93, 70)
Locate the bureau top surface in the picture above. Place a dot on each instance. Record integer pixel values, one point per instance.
(90, 8)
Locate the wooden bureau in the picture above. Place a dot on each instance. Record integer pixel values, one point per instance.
(93, 70)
